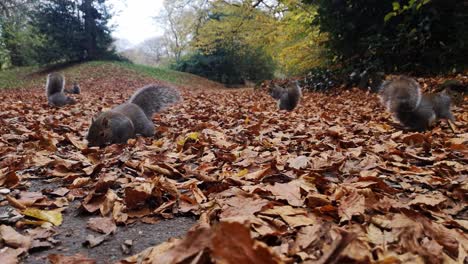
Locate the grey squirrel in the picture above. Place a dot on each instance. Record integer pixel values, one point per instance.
(127, 120)
(288, 98)
(55, 90)
(417, 111)
(276, 92)
(74, 90)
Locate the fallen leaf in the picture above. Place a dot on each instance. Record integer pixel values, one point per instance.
(54, 217)
(76, 259)
(14, 239)
(102, 225)
(298, 163)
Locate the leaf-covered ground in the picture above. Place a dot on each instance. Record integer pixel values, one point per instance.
(335, 181)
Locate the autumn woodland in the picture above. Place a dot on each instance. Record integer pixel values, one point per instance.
(247, 131)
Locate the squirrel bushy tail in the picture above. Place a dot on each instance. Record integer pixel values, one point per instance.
(290, 97)
(55, 83)
(153, 98)
(55, 90)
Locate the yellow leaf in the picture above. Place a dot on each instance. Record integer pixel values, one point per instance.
(242, 172)
(191, 135)
(181, 141)
(52, 216)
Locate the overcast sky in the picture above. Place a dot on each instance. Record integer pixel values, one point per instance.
(134, 19)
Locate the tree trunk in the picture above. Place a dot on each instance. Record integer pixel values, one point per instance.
(90, 15)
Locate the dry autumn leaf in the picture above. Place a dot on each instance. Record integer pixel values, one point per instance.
(54, 217)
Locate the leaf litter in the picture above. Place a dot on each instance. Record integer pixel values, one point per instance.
(335, 181)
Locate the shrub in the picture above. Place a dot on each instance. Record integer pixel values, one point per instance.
(229, 66)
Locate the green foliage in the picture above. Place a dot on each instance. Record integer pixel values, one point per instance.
(229, 66)
(229, 25)
(295, 44)
(54, 31)
(281, 31)
(229, 46)
(398, 9)
(404, 35)
(73, 32)
(19, 40)
(63, 30)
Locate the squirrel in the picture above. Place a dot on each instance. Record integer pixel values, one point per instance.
(127, 120)
(276, 92)
(403, 97)
(55, 90)
(288, 98)
(74, 90)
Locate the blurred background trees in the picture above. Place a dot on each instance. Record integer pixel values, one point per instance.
(423, 36)
(238, 40)
(234, 41)
(53, 31)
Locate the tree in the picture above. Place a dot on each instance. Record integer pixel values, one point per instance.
(403, 35)
(155, 49)
(90, 15)
(228, 45)
(79, 31)
(296, 45)
(182, 20)
(281, 29)
(18, 39)
(152, 52)
(9, 8)
(96, 32)
(229, 66)
(60, 22)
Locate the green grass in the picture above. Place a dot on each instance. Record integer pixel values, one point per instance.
(162, 74)
(16, 77)
(27, 76)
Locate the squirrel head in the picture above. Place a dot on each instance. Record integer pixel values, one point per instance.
(402, 94)
(100, 132)
(276, 91)
(402, 103)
